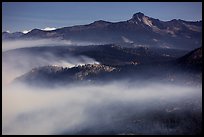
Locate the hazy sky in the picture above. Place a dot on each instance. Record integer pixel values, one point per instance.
(20, 16)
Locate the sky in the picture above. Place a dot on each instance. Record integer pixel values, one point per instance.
(21, 16)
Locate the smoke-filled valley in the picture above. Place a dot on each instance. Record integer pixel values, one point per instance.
(137, 77)
(90, 90)
(114, 108)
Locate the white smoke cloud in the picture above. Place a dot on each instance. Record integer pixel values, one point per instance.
(8, 45)
(19, 63)
(14, 44)
(29, 110)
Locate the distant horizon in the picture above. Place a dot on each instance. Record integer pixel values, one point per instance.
(49, 28)
(23, 16)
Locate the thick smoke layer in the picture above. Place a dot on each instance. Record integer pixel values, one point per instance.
(14, 44)
(18, 63)
(115, 108)
(69, 110)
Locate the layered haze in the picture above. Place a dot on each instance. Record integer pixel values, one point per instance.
(18, 63)
(14, 44)
(120, 107)
(100, 109)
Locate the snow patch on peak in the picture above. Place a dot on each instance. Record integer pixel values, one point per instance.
(25, 31)
(49, 29)
(147, 21)
(138, 18)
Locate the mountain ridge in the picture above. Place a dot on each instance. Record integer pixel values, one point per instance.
(111, 67)
(140, 29)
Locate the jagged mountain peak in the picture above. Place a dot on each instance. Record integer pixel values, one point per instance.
(138, 15)
(140, 18)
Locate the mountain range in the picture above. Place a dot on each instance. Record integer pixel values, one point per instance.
(139, 46)
(138, 30)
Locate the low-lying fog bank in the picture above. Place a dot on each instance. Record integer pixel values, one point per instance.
(14, 44)
(115, 108)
